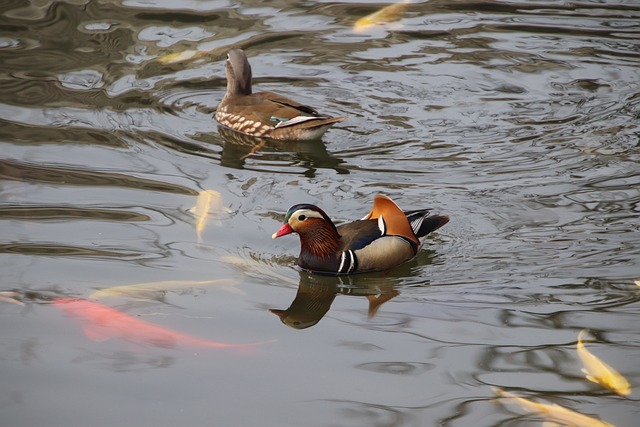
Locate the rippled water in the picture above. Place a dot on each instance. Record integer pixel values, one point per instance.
(519, 120)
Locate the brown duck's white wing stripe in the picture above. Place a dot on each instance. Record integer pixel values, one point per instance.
(295, 121)
(348, 262)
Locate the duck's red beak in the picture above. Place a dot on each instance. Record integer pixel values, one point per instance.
(285, 229)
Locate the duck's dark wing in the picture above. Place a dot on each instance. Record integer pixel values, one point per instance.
(422, 223)
(358, 234)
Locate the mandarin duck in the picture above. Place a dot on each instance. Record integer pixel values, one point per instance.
(266, 114)
(384, 238)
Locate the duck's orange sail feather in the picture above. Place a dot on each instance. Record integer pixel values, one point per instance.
(395, 220)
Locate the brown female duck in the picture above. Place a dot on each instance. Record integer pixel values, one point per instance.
(265, 114)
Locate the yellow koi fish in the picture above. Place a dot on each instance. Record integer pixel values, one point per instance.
(599, 372)
(172, 58)
(553, 412)
(186, 55)
(11, 297)
(144, 290)
(387, 14)
(637, 282)
(209, 202)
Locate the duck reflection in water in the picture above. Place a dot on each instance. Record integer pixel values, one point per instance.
(316, 294)
(238, 147)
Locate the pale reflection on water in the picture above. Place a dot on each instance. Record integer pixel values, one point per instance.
(519, 120)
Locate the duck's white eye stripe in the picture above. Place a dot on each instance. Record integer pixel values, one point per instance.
(306, 213)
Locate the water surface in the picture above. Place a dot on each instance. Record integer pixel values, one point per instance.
(519, 120)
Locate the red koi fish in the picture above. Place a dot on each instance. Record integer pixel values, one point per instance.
(101, 323)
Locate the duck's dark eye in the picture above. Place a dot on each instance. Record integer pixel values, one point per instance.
(302, 217)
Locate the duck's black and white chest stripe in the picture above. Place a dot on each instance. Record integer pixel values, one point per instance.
(348, 262)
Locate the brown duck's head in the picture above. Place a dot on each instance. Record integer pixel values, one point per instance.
(238, 73)
(305, 219)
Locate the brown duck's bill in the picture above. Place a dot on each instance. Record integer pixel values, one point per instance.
(284, 230)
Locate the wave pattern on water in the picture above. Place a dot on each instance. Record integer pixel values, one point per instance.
(520, 120)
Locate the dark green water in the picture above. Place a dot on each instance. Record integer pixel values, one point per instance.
(519, 120)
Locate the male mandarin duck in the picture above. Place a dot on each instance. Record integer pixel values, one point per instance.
(384, 238)
(266, 114)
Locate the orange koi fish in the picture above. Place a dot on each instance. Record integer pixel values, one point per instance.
(101, 323)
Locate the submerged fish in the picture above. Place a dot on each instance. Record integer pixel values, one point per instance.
(144, 290)
(387, 14)
(209, 202)
(189, 54)
(553, 412)
(12, 297)
(179, 56)
(101, 323)
(599, 372)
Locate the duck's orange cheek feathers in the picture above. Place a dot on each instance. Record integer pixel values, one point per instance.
(284, 230)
